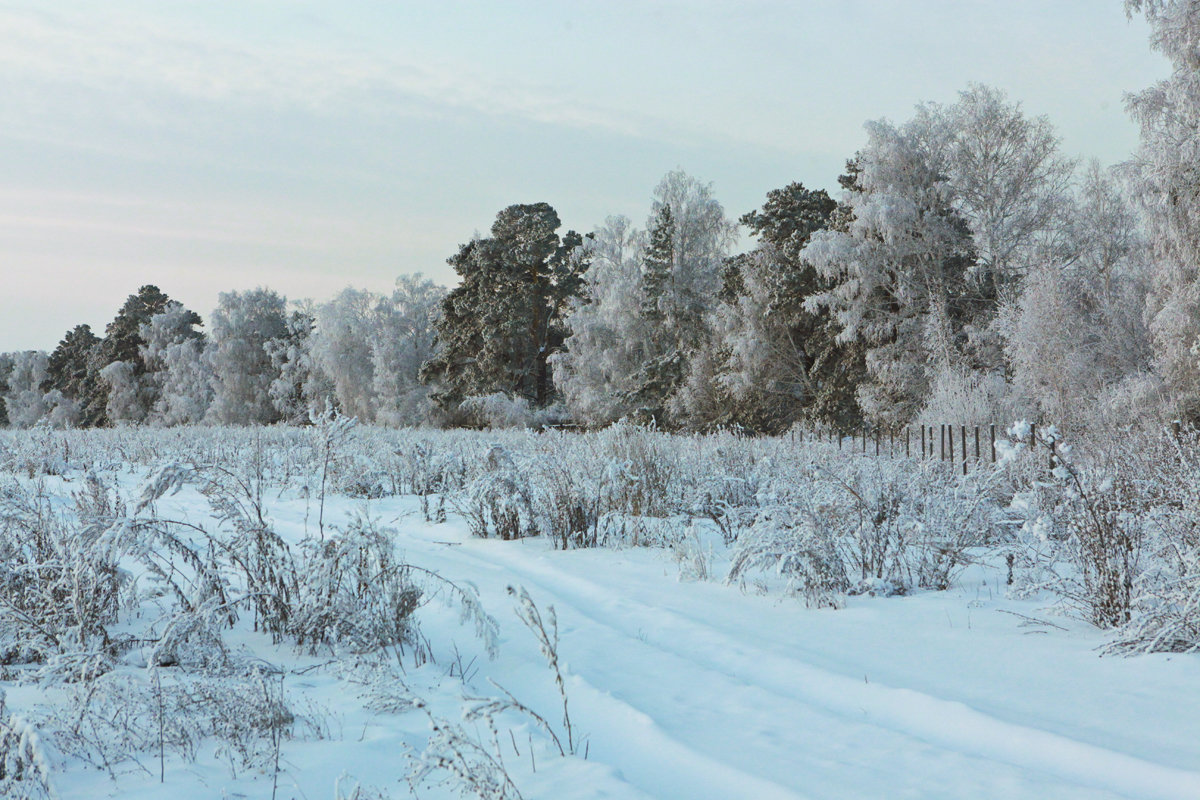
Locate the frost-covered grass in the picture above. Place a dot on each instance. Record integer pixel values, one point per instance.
(339, 609)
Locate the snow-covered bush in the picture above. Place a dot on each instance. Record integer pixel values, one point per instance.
(355, 593)
(24, 763)
(863, 525)
(498, 500)
(1113, 532)
(60, 586)
(115, 722)
(1087, 520)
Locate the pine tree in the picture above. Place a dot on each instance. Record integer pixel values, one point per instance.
(500, 326)
(71, 366)
(661, 306)
(658, 265)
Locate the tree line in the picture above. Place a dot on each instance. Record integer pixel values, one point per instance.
(967, 271)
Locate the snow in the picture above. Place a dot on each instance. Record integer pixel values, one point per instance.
(697, 689)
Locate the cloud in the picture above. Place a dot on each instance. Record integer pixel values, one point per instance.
(121, 56)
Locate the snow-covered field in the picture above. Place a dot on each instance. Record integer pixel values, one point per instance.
(677, 684)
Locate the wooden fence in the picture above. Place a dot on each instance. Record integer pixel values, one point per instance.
(967, 445)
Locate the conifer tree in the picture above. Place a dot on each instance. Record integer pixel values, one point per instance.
(70, 369)
(689, 237)
(499, 327)
(781, 361)
(123, 341)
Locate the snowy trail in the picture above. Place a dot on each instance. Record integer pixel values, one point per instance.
(686, 709)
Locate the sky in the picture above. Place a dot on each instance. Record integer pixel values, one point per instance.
(215, 146)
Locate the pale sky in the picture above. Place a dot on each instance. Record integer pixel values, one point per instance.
(307, 146)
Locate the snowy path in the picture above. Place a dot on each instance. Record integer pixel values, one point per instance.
(704, 704)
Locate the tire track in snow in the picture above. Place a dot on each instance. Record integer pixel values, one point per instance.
(947, 725)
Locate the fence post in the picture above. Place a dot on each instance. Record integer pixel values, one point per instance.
(993, 444)
(977, 443)
(906, 432)
(864, 442)
(924, 451)
(877, 441)
(962, 439)
(1032, 435)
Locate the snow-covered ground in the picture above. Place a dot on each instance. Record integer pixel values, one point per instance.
(696, 689)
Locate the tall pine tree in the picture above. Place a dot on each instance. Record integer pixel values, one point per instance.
(504, 320)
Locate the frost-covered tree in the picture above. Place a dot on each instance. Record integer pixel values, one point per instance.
(945, 214)
(501, 324)
(780, 361)
(1079, 330)
(177, 373)
(406, 333)
(1167, 182)
(123, 342)
(608, 332)
(898, 267)
(126, 401)
(1010, 182)
(688, 239)
(341, 344)
(643, 314)
(298, 389)
(24, 398)
(244, 325)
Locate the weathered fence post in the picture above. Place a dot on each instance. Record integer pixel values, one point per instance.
(906, 432)
(962, 439)
(993, 434)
